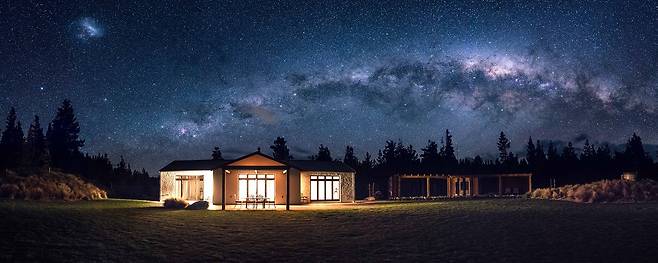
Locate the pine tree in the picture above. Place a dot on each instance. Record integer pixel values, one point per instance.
(603, 153)
(540, 156)
(634, 154)
(588, 152)
(36, 153)
(367, 162)
(349, 158)
(503, 147)
(449, 150)
(11, 144)
(531, 152)
(323, 154)
(569, 154)
(217, 154)
(430, 154)
(551, 153)
(63, 137)
(280, 150)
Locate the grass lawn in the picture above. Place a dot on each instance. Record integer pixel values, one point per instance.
(458, 231)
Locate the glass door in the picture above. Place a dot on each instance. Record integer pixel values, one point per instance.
(325, 188)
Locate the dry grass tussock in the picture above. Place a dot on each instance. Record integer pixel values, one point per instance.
(48, 186)
(605, 191)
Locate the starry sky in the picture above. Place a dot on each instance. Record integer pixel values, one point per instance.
(161, 80)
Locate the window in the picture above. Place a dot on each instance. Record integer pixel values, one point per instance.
(189, 187)
(325, 188)
(253, 185)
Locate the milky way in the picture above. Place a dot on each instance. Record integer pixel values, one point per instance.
(171, 81)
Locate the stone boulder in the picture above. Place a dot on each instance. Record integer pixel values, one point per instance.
(199, 205)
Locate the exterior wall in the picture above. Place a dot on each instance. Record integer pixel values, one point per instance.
(305, 185)
(232, 186)
(347, 187)
(168, 183)
(217, 186)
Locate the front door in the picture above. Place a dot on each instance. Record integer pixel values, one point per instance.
(325, 188)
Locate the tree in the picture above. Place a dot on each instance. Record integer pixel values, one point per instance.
(430, 154)
(280, 150)
(63, 137)
(569, 154)
(367, 162)
(349, 158)
(449, 150)
(503, 147)
(217, 154)
(589, 153)
(11, 144)
(36, 153)
(540, 156)
(323, 154)
(551, 153)
(634, 154)
(531, 152)
(603, 153)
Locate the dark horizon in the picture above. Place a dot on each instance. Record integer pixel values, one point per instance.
(158, 82)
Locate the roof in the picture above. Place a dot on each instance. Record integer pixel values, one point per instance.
(302, 165)
(183, 165)
(330, 166)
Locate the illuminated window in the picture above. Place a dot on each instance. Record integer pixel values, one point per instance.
(325, 188)
(256, 185)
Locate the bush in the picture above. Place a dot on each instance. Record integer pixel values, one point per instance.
(48, 186)
(175, 203)
(602, 192)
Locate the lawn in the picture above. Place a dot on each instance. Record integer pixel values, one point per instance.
(458, 231)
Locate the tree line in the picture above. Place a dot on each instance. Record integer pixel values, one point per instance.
(549, 165)
(60, 148)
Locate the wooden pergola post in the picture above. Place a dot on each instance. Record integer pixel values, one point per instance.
(448, 185)
(500, 184)
(530, 183)
(287, 189)
(427, 186)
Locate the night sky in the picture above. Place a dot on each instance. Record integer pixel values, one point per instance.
(157, 81)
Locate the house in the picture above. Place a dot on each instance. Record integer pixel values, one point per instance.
(228, 182)
(452, 185)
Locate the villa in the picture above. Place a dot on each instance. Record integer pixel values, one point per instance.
(257, 175)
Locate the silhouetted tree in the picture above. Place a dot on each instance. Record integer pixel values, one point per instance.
(531, 152)
(503, 147)
(11, 144)
(430, 155)
(588, 152)
(280, 150)
(634, 156)
(63, 138)
(349, 158)
(367, 162)
(540, 156)
(323, 154)
(569, 154)
(551, 153)
(448, 151)
(36, 153)
(217, 154)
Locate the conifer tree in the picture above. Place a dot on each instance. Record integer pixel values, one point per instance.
(11, 144)
(323, 154)
(349, 158)
(280, 150)
(217, 154)
(531, 152)
(36, 153)
(503, 147)
(63, 134)
(449, 150)
(430, 154)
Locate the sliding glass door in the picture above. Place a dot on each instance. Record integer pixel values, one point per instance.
(256, 185)
(190, 187)
(325, 188)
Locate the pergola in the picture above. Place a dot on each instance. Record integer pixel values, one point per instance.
(456, 185)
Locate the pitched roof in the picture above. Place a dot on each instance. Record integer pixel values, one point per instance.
(312, 165)
(182, 165)
(302, 165)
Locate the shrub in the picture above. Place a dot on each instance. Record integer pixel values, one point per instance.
(48, 186)
(175, 203)
(602, 191)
